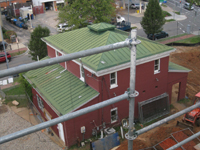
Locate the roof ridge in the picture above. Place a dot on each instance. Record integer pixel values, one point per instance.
(103, 53)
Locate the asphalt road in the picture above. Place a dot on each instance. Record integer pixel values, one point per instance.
(22, 34)
(175, 27)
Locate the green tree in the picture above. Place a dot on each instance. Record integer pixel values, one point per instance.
(36, 46)
(80, 11)
(153, 19)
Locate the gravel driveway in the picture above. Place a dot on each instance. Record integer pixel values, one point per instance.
(11, 122)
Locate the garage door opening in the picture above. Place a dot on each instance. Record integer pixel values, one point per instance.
(49, 6)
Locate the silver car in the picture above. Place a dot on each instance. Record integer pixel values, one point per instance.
(187, 6)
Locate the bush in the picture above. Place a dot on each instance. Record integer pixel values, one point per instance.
(8, 33)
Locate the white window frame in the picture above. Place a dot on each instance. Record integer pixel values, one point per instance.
(116, 117)
(114, 85)
(57, 54)
(157, 70)
(81, 77)
(40, 102)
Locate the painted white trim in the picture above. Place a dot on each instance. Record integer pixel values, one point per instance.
(61, 131)
(85, 67)
(138, 62)
(84, 103)
(180, 71)
(114, 109)
(53, 47)
(112, 86)
(122, 66)
(48, 103)
(158, 70)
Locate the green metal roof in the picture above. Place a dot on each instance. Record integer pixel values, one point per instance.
(177, 68)
(63, 90)
(101, 27)
(85, 38)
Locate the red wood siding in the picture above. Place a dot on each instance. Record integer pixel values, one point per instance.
(148, 85)
(38, 10)
(51, 52)
(63, 63)
(47, 107)
(72, 128)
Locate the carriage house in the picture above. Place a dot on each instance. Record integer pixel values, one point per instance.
(69, 86)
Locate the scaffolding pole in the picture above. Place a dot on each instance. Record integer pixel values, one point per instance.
(132, 94)
(184, 141)
(55, 60)
(63, 118)
(165, 120)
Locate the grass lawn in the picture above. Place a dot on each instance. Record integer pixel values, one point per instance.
(133, 27)
(163, 5)
(178, 13)
(170, 20)
(17, 53)
(22, 102)
(18, 90)
(192, 40)
(164, 39)
(165, 14)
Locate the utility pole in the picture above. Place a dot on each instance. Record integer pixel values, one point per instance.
(131, 135)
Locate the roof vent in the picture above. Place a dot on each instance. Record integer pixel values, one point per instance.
(101, 27)
(103, 62)
(58, 77)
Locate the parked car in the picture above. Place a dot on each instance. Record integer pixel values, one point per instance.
(187, 6)
(119, 18)
(156, 36)
(64, 27)
(134, 5)
(3, 58)
(137, 5)
(1, 45)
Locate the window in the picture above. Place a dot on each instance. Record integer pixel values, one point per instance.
(113, 80)
(40, 102)
(57, 53)
(82, 75)
(157, 66)
(113, 115)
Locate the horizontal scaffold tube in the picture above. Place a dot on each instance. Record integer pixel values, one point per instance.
(185, 141)
(165, 120)
(63, 118)
(60, 59)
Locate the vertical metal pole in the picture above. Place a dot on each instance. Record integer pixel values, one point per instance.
(177, 27)
(174, 10)
(132, 89)
(30, 17)
(128, 9)
(4, 48)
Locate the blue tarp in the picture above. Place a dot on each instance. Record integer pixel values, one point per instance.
(106, 143)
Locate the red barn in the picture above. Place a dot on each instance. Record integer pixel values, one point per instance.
(60, 89)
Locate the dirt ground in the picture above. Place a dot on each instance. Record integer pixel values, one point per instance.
(188, 57)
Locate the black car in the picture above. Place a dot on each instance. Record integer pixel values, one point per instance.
(156, 36)
(1, 45)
